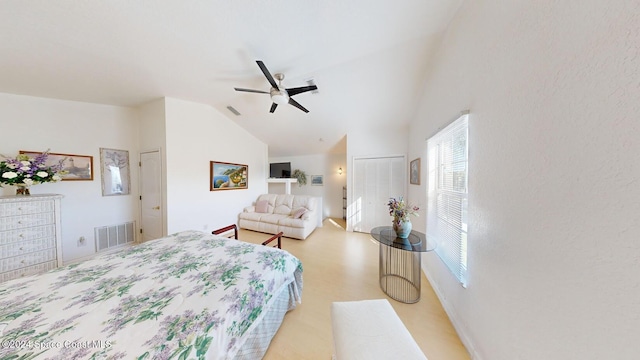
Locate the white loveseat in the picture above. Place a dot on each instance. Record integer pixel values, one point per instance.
(279, 214)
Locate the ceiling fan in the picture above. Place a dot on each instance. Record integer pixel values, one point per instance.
(280, 95)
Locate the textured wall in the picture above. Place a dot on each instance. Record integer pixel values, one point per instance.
(554, 250)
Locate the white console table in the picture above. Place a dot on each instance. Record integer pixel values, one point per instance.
(287, 183)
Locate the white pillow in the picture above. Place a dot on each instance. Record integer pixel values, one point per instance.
(298, 213)
(262, 206)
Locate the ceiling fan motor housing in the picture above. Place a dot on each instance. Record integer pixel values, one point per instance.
(279, 96)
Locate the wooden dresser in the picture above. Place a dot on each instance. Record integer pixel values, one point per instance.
(30, 239)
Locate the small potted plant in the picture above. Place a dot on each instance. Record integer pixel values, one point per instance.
(300, 176)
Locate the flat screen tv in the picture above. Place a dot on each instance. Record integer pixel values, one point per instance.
(280, 170)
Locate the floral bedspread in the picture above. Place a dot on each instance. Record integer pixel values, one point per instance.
(190, 295)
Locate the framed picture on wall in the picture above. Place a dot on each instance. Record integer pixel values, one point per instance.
(116, 173)
(414, 172)
(228, 176)
(77, 167)
(317, 180)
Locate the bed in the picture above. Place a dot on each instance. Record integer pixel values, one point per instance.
(190, 295)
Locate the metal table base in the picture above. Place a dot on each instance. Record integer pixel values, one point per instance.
(400, 274)
(400, 263)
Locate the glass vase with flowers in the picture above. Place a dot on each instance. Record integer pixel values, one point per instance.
(401, 211)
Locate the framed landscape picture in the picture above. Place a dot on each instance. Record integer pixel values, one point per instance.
(78, 167)
(228, 176)
(116, 173)
(317, 180)
(414, 172)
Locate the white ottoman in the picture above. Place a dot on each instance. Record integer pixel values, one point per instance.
(370, 330)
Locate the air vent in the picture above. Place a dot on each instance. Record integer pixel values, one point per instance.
(233, 110)
(113, 236)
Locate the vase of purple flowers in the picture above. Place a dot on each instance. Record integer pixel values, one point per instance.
(24, 171)
(401, 212)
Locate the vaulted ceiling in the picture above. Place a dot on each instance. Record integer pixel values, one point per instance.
(367, 57)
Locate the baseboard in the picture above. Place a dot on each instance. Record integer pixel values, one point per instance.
(453, 317)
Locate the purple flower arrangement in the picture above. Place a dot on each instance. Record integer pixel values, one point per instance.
(401, 210)
(29, 170)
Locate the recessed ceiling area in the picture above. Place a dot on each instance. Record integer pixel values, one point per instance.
(368, 59)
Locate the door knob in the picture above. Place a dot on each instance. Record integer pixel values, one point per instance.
(156, 208)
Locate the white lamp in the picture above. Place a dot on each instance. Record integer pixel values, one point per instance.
(279, 97)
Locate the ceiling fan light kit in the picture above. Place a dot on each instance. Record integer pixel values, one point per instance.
(279, 94)
(279, 97)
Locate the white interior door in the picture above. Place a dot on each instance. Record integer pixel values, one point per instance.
(375, 180)
(151, 195)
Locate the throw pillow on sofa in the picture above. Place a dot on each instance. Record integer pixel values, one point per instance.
(298, 213)
(262, 206)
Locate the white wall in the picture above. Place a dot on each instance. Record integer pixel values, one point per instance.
(196, 135)
(38, 124)
(151, 117)
(554, 209)
(326, 165)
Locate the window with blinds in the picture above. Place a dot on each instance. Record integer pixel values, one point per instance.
(447, 194)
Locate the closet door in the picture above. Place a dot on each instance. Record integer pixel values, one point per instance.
(375, 181)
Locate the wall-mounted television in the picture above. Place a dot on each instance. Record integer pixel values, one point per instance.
(280, 170)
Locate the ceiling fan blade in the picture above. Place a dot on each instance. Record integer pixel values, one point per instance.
(300, 90)
(273, 107)
(267, 74)
(252, 91)
(296, 104)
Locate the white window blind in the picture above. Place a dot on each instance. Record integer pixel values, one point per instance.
(447, 194)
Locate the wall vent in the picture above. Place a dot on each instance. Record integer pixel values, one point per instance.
(108, 237)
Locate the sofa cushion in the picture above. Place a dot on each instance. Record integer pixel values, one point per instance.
(250, 209)
(291, 222)
(272, 218)
(282, 210)
(284, 204)
(297, 214)
(304, 201)
(254, 216)
(271, 199)
(262, 206)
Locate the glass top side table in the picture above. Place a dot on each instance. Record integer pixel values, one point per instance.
(400, 263)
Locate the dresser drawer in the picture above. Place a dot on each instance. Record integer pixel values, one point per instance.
(20, 235)
(24, 221)
(27, 246)
(17, 262)
(26, 207)
(29, 270)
